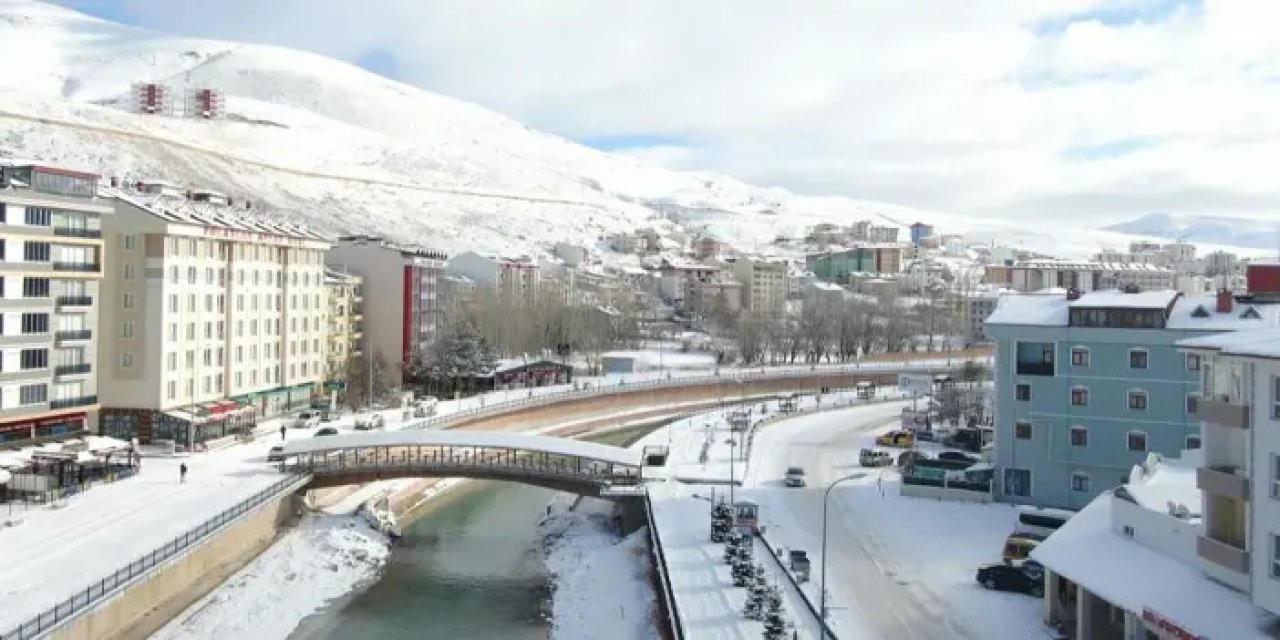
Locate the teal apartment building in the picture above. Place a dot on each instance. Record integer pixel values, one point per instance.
(1088, 384)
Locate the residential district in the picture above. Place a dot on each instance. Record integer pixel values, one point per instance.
(1124, 403)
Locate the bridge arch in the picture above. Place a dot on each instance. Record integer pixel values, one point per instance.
(563, 464)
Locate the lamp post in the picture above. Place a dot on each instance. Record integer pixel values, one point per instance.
(731, 442)
(822, 598)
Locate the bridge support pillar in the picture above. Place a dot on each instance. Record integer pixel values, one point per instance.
(631, 510)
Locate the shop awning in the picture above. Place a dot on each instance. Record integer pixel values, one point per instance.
(184, 416)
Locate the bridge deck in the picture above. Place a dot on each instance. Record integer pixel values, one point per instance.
(462, 438)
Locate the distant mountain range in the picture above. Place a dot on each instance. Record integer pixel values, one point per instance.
(1239, 232)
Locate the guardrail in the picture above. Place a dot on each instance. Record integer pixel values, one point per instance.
(664, 578)
(508, 406)
(832, 406)
(786, 571)
(97, 593)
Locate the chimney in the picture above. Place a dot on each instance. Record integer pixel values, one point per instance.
(1225, 301)
(1073, 294)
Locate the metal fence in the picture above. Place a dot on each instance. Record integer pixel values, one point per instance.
(664, 577)
(98, 592)
(719, 377)
(828, 632)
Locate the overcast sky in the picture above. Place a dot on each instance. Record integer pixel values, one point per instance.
(1101, 109)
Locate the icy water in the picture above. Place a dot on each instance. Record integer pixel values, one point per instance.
(470, 567)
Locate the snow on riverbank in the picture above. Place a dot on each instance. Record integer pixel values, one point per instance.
(600, 581)
(323, 558)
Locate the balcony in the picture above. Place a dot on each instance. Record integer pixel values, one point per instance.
(74, 302)
(1222, 412)
(67, 403)
(1035, 368)
(74, 335)
(1223, 554)
(73, 369)
(1224, 481)
(70, 232)
(77, 267)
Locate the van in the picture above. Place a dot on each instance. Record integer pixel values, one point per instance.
(795, 477)
(305, 419)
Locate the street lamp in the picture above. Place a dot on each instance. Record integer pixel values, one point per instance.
(731, 442)
(822, 598)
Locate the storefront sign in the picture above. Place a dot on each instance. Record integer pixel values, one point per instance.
(1165, 628)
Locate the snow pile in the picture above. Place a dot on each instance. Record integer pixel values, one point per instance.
(601, 582)
(324, 558)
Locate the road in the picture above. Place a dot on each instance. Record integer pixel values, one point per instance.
(863, 591)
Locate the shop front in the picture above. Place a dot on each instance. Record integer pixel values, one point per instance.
(67, 424)
(186, 427)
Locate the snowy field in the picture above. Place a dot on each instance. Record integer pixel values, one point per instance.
(323, 558)
(898, 567)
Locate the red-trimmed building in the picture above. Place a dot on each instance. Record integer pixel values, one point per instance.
(401, 294)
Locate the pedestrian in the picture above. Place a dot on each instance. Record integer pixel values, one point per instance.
(283, 429)
(182, 472)
(880, 485)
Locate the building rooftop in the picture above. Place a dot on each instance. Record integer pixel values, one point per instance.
(412, 251)
(1158, 299)
(1050, 307)
(1160, 481)
(180, 210)
(1089, 266)
(1089, 552)
(1263, 343)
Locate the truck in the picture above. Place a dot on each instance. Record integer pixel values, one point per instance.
(799, 561)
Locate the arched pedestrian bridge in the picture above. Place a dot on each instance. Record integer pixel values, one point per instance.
(585, 468)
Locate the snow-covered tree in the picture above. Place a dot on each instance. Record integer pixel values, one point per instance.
(460, 352)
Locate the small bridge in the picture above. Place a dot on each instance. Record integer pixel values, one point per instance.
(586, 468)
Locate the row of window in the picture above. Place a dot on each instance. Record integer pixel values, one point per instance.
(1017, 482)
(1078, 436)
(175, 305)
(269, 327)
(1080, 397)
(1138, 359)
(213, 384)
(272, 277)
(192, 247)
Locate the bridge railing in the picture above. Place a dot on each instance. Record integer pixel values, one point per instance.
(106, 587)
(721, 376)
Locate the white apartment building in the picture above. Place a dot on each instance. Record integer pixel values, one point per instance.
(765, 283)
(401, 289)
(50, 266)
(512, 276)
(1033, 275)
(1239, 411)
(216, 316)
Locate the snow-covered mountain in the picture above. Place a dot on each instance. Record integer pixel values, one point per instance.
(345, 150)
(1240, 232)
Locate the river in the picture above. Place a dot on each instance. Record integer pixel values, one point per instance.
(470, 566)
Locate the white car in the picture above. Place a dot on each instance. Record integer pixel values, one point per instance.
(795, 477)
(306, 419)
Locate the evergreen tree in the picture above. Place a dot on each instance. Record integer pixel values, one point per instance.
(462, 351)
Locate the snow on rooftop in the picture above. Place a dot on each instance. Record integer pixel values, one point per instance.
(1160, 481)
(1030, 309)
(548, 444)
(1087, 551)
(1201, 312)
(1262, 343)
(1114, 299)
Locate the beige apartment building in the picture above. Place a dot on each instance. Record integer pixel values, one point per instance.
(51, 260)
(216, 315)
(345, 325)
(764, 282)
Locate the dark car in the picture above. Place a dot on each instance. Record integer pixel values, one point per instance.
(957, 456)
(1004, 577)
(326, 431)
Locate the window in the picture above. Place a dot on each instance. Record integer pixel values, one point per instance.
(38, 216)
(173, 274)
(173, 303)
(1128, 531)
(1193, 362)
(35, 323)
(33, 393)
(130, 300)
(130, 242)
(1193, 403)
(1022, 392)
(173, 332)
(1079, 356)
(1138, 400)
(35, 359)
(1080, 397)
(239, 355)
(126, 360)
(1275, 476)
(1079, 436)
(1275, 397)
(126, 330)
(128, 271)
(1137, 358)
(1137, 441)
(1017, 482)
(35, 251)
(191, 331)
(1275, 556)
(190, 359)
(1022, 430)
(191, 302)
(172, 361)
(35, 287)
(1193, 443)
(1080, 482)
(172, 389)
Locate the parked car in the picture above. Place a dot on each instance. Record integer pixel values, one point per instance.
(874, 458)
(327, 415)
(957, 456)
(306, 419)
(276, 454)
(899, 438)
(799, 561)
(326, 431)
(795, 477)
(1003, 577)
(370, 421)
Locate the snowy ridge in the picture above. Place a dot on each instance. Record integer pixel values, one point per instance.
(342, 149)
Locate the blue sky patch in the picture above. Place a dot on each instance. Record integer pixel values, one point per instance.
(1118, 14)
(633, 141)
(1106, 150)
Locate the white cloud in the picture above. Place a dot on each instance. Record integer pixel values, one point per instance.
(973, 106)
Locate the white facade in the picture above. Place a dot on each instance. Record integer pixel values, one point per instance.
(882, 234)
(204, 304)
(1034, 275)
(765, 283)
